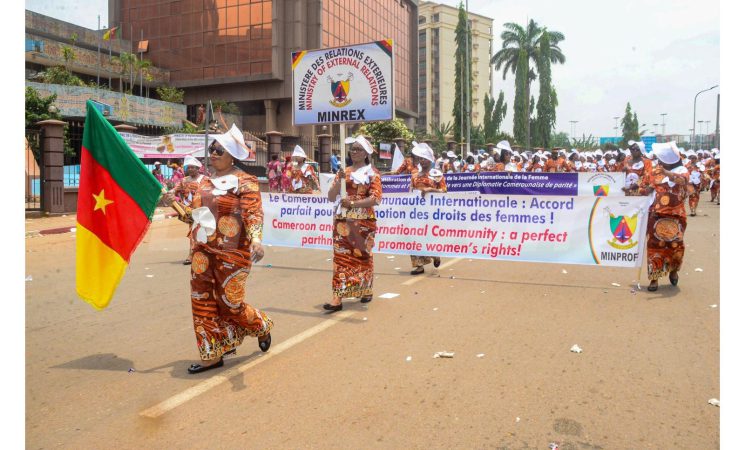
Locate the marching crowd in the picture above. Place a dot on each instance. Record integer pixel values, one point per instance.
(225, 215)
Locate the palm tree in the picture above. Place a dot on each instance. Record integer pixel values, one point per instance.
(126, 61)
(142, 66)
(516, 38)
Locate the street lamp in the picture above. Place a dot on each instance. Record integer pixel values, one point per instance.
(655, 128)
(700, 132)
(616, 127)
(573, 128)
(694, 110)
(663, 123)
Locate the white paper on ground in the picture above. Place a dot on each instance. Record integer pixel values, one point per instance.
(444, 355)
(575, 348)
(389, 295)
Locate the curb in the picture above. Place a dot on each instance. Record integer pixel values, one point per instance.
(70, 229)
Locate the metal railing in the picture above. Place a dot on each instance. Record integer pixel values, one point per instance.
(34, 170)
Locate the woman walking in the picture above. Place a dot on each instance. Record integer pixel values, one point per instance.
(286, 180)
(227, 230)
(667, 217)
(428, 180)
(637, 168)
(354, 227)
(185, 192)
(304, 179)
(274, 173)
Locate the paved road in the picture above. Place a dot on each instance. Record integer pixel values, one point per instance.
(650, 361)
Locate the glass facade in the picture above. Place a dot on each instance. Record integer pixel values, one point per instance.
(204, 39)
(348, 22)
(421, 122)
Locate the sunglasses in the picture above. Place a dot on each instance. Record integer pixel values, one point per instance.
(217, 149)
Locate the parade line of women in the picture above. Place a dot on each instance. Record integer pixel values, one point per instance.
(226, 218)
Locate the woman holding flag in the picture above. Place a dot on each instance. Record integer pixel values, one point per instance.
(354, 226)
(227, 230)
(185, 191)
(428, 180)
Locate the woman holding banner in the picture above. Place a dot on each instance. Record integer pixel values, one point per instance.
(428, 180)
(354, 226)
(667, 216)
(227, 229)
(637, 168)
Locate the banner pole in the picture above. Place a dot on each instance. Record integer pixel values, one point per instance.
(343, 149)
(207, 120)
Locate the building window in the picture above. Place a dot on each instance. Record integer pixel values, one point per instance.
(422, 19)
(436, 17)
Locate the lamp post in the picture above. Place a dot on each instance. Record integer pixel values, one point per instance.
(663, 123)
(616, 127)
(573, 128)
(694, 109)
(701, 133)
(655, 128)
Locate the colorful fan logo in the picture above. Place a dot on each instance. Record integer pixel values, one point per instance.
(622, 228)
(601, 190)
(340, 89)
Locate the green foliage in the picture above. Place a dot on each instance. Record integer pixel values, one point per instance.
(559, 140)
(494, 112)
(584, 143)
(609, 146)
(60, 75)
(546, 97)
(224, 106)
(515, 41)
(170, 94)
(630, 125)
(478, 139)
(520, 106)
(37, 109)
(387, 131)
(462, 37)
(440, 134)
(186, 128)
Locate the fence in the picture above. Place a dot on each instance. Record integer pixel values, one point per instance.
(34, 170)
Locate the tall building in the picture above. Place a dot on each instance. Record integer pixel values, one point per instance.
(436, 71)
(239, 50)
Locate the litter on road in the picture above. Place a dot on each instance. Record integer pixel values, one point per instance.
(408, 358)
(396, 268)
(616, 284)
(698, 269)
(389, 295)
(564, 271)
(480, 355)
(443, 355)
(576, 349)
(712, 306)
(131, 370)
(29, 278)
(149, 276)
(364, 319)
(713, 401)
(435, 309)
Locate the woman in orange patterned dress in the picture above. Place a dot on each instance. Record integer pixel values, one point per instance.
(667, 216)
(304, 179)
(227, 230)
(694, 187)
(637, 168)
(185, 191)
(354, 227)
(428, 180)
(471, 166)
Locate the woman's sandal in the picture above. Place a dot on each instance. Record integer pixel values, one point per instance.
(419, 270)
(366, 299)
(674, 280)
(186, 262)
(652, 286)
(265, 343)
(332, 308)
(197, 368)
(436, 262)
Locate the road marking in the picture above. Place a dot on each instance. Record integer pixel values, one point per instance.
(194, 391)
(442, 266)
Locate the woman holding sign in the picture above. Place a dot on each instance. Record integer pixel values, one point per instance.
(667, 216)
(354, 226)
(428, 180)
(227, 229)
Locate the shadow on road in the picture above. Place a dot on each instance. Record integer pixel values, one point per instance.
(105, 361)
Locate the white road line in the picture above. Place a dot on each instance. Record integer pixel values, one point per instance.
(194, 391)
(442, 266)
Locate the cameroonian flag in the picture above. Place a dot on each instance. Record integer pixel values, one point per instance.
(111, 33)
(116, 200)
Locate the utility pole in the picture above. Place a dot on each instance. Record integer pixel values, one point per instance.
(663, 123)
(573, 128)
(717, 130)
(616, 127)
(694, 110)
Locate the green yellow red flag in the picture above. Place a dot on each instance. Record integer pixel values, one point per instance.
(116, 200)
(111, 33)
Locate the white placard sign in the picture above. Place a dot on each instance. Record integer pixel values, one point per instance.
(343, 84)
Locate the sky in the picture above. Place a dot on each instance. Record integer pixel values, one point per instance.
(655, 55)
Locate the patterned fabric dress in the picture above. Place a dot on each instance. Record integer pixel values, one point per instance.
(305, 180)
(286, 181)
(636, 173)
(715, 184)
(694, 187)
(185, 193)
(407, 167)
(274, 168)
(354, 238)
(220, 267)
(429, 181)
(667, 223)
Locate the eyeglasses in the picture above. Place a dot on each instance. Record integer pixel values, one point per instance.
(217, 149)
(356, 149)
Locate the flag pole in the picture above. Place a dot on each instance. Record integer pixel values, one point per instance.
(207, 120)
(98, 52)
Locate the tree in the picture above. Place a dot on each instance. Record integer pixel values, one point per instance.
(547, 101)
(584, 143)
(440, 134)
(463, 86)
(170, 94)
(516, 39)
(494, 112)
(126, 62)
(142, 65)
(387, 131)
(630, 125)
(38, 108)
(559, 140)
(520, 106)
(60, 75)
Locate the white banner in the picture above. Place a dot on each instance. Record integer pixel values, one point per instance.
(173, 145)
(607, 231)
(343, 84)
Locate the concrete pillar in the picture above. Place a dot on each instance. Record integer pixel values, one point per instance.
(271, 114)
(324, 145)
(53, 157)
(274, 141)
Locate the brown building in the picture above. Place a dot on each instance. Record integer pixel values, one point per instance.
(239, 50)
